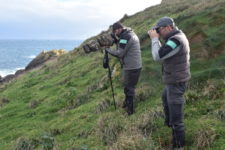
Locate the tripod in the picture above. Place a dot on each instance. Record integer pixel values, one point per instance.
(106, 65)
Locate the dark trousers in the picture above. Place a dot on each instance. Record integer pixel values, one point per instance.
(130, 78)
(173, 103)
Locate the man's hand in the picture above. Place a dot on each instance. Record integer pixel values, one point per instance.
(153, 34)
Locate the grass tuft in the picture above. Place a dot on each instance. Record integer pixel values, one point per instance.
(109, 127)
(204, 137)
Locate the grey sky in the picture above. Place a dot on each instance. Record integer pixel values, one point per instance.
(63, 19)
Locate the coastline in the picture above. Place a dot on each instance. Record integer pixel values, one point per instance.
(16, 54)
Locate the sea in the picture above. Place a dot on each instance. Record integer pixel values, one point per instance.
(16, 54)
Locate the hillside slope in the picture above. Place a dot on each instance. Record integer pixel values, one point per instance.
(67, 103)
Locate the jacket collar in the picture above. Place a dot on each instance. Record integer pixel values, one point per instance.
(172, 33)
(125, 30)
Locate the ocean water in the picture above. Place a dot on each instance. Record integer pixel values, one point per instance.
(16, 54)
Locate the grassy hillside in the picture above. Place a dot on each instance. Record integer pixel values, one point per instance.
(66, 104)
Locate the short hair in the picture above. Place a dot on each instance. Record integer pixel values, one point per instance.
(116, 26)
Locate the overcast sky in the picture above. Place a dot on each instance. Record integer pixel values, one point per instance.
(63, 19)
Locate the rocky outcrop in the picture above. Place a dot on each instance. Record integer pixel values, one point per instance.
(18, 72)
(43, 57)
(36, 62)
(8, 77)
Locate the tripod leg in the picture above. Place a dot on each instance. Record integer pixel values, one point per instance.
(110, 79)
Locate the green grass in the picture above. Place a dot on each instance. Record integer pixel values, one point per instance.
(67, 103)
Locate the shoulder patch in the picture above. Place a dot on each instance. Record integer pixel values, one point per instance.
(171, 44)
(123, 41)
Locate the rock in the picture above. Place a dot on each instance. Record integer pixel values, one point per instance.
(8, 78)
(1, 79)
(43, 57)
(11, 76)
(39, 60)
(18, 72)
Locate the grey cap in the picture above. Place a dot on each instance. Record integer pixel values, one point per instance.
(164, 21)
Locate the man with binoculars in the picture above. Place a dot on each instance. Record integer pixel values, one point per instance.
(174, 56)
(129, 53)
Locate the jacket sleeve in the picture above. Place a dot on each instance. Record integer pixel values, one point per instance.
(156, 45)
(124, 45)
(170, 48)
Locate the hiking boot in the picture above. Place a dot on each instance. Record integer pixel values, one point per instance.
(178, 139)
(130, 107)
